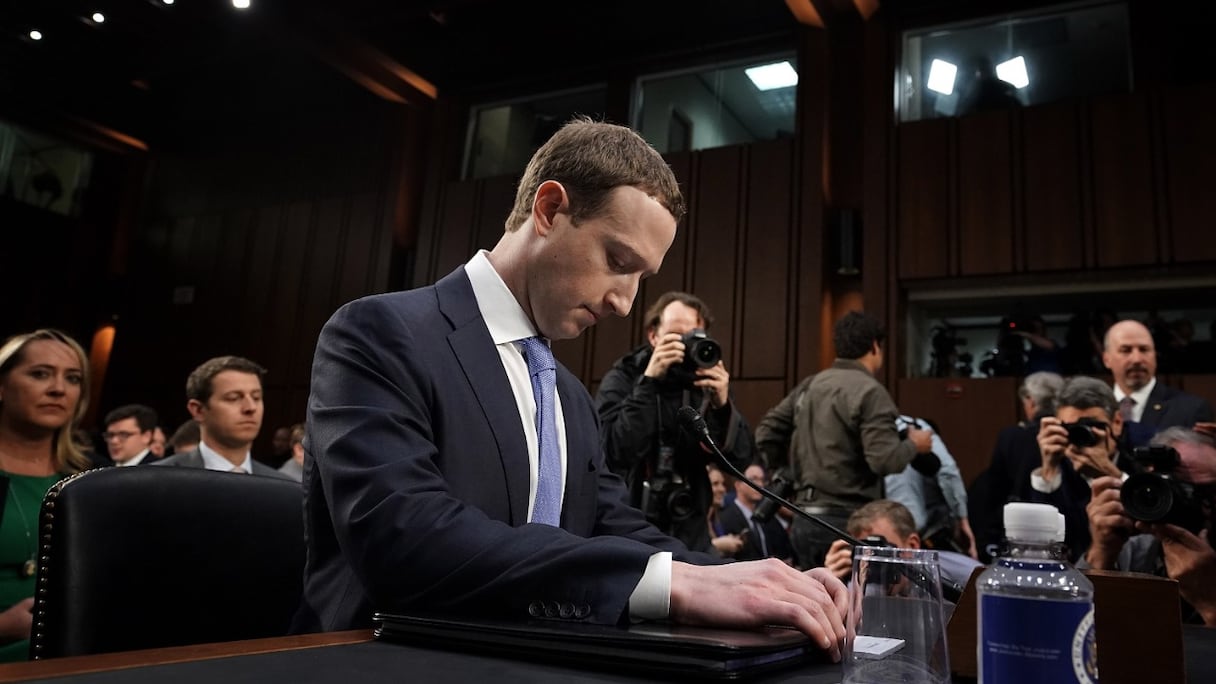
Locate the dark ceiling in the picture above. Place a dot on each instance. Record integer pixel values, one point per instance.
(464, 47)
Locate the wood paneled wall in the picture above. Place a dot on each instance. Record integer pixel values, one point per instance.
(252, 237)
(737, 250)
(1105, 183)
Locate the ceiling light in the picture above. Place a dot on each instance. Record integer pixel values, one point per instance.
(941, 77)
(240, 4)
(99, 18)
(35, 35)
(772, 76)
(1013, 72)
(167, 2)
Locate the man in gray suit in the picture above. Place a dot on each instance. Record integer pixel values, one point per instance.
(224, 396)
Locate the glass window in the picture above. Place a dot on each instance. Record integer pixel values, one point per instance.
(503, 136)
(1014, 61)
(721, 105)
(42, 171)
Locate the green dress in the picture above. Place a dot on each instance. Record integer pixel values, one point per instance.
(18, 544)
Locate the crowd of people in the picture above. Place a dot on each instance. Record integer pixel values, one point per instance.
(449, 463)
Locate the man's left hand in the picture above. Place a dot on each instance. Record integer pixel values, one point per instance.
(716, 380)
(1189, 558)
(1094, 461)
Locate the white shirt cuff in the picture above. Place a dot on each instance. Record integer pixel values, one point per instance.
(651, 599)
(1041, 484)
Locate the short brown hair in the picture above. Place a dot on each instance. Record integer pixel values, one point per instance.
(297, 434)
(655, 313)
(590, 159)
(899, 516)
(198, 385)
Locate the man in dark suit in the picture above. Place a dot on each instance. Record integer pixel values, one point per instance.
(761, 539)
(1144, 401)
(431, 456)
(224, 396)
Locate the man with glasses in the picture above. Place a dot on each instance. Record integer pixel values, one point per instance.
(128, 434)
(1078, 444)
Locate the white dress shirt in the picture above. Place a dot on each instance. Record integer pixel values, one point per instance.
(507, 323)
(1140, 396)
(213, 461)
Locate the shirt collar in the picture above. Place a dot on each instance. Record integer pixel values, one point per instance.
(213, 461)
(136, 459)
(503, 315)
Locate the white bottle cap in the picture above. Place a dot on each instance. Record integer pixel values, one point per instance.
(1032, 522)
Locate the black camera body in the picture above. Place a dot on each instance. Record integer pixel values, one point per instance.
(700, 351)
(1081, 432)
(666, 497)
(1154, 495)
(782, 486)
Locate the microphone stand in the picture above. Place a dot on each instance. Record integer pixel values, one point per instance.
(692, 421)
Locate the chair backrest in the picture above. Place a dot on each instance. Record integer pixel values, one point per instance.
(147, 557)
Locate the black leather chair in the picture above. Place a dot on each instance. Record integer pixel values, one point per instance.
(147, 557)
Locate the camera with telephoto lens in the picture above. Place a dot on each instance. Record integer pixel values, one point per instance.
(666, 497)
(782, 486)
(700, 351)
(1154, 495)
(1081, 432)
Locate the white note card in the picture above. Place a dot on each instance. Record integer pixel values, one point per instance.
(876, 647)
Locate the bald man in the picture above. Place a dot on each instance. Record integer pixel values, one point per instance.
(1129, 353)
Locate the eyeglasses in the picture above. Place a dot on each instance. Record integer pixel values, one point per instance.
(121, 436)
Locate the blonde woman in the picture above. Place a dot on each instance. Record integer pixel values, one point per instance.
(44, 389)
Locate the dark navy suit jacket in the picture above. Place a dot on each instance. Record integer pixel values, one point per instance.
(1168, 407)
(416, 479)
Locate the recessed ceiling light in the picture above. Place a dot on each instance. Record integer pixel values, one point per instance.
(99, 17)
(167, 2)
(773, 76)
(240, 4)
(35, 35)
(1013, 72)
(941, 77)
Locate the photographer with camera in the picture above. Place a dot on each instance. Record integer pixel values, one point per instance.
(1159, 520)
(1081, 442)
(679, 365)
(890, 523)
(763, 536)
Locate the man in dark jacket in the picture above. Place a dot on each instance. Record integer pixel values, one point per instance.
(679, 365)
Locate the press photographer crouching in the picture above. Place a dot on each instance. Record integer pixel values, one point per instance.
(1081, 442)
(679, 365)
(1158, 520)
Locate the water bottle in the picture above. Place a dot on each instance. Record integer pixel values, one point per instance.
(1036, 611)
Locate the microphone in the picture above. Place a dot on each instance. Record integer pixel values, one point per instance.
(692, 422)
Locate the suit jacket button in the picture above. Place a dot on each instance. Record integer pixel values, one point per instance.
(551, 609)
(582, 611)
(536, 609)
(567, 610)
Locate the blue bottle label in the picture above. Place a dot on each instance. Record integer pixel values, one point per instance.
(1032, 640)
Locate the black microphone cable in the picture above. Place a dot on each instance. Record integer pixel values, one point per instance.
(692, 421)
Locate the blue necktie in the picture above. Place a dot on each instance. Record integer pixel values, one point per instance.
(547, 509)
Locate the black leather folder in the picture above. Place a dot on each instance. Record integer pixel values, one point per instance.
(656, 649)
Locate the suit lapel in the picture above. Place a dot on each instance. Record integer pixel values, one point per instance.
(578, 451)
(478, 358)
(1154, 407)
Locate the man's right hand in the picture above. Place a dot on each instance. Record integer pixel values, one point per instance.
(728, 544)
(839, 560)
(758, 593)
(1109, 526)
(667, 352)
(1053, 441)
